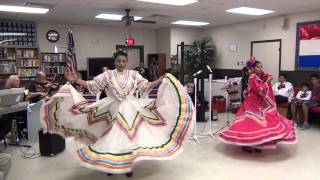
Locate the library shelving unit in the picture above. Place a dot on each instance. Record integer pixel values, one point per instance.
(21, 60)
(53, 64)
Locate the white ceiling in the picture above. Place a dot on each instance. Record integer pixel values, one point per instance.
(213, 11)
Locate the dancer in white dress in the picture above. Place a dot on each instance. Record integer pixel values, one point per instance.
(122, 129)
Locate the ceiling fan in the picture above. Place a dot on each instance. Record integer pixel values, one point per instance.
(128, 19)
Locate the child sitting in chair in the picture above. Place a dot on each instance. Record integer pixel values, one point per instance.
(302, 97)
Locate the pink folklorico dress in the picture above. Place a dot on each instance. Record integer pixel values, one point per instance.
(257, 122)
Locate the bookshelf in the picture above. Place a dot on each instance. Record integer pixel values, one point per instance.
(21, 60)
(53, 64)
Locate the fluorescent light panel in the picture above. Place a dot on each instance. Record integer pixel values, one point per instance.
(22, 9)
(137, 18)
(110, 16)
(172, 2)
(116, 17)
(190, 23)
(249, 11)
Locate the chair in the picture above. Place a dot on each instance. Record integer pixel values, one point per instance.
(314, 113)
(283, 107)
(233, 88)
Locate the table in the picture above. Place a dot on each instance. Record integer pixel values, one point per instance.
(22, 106)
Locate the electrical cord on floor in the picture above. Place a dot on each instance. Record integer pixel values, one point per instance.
(30, 152)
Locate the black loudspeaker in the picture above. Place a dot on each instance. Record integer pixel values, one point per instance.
(50, 144)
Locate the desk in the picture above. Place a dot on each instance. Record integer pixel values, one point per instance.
(22, 106)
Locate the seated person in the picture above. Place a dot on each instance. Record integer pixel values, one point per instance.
(302, 97)
(314, 100)
(244, 82)
(5, 164)
(13, 82)
(190, 89)
(41, 88)
(142, 71)
(233, 88)
(283, 90)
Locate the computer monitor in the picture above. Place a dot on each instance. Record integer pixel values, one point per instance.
(11, 96)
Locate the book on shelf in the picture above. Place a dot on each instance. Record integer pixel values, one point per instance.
(9, 53)
(1, 53)
(54, 69)
(27, 53)
(28, 63)
(8, 67)
(27, 72)
(62, 57)
(54, 58)
(27, 78)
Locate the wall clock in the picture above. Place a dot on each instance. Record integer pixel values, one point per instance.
(52, 36)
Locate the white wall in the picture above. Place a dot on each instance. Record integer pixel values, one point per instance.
(186, 35)
(163, 43)
(95, 41)
(169, 38)
(243, 33)
(98, 41)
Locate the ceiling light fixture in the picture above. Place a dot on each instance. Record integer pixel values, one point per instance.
(137, 18)
(249, 11)
(190, 23)
(171, 2)
(115, 17)
(22, 9)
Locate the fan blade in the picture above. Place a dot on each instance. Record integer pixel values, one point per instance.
(145, 21)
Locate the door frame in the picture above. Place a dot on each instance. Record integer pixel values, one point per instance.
(267, 41)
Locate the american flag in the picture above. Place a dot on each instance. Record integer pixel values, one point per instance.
(71, 55)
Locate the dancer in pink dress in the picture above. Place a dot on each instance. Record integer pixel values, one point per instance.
(258, 125)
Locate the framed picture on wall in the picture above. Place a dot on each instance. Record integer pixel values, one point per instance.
(308, 46)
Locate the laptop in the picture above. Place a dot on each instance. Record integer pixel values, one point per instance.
(9, 97)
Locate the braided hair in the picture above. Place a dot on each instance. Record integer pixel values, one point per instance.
(119, 52)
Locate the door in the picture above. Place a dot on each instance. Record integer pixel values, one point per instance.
(133, 58)
(269, 53)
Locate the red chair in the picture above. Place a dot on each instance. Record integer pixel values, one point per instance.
(283, 107)
(315, 110)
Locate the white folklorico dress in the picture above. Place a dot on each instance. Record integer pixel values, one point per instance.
(122, 129)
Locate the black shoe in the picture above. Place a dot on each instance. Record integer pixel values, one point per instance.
(246, 149)
(130, 174)
(109, 174)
